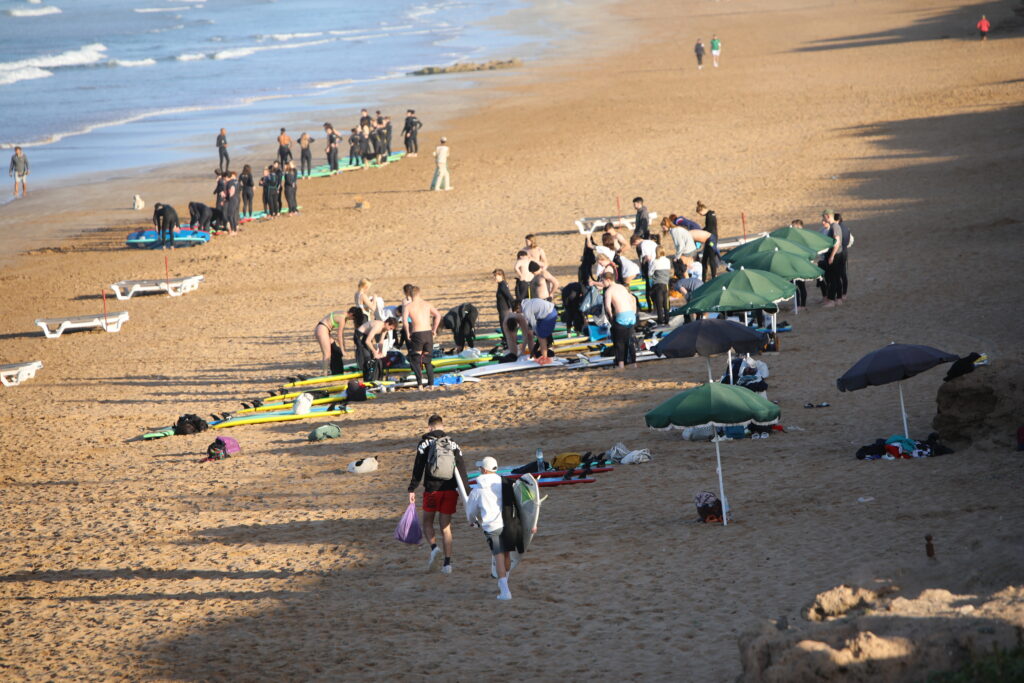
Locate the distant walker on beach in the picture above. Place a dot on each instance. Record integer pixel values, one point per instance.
(19, 171)
(442, 180)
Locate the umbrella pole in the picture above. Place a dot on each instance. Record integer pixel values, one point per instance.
(903, 411)
(721, 486)
(708, 361)
(775, 326)
(732, 380)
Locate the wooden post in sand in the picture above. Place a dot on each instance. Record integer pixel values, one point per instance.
(743, 217)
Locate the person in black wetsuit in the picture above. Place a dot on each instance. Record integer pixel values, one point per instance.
(365, 119)
(504, 300)
(231, 201)
(291, 183)
(332, 146)
(278, 173)
(305, 154)
(409, 132)
(222, 150)
(272, 191)
(388, 131)
(246, 183)
(709, 256)
(284, 147)
(265, 186)
(355, 146)
(835, 260)
(199, 216)
(847, 242)
(218, 190)
(165, 220)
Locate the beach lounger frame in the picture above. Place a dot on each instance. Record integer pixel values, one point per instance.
(14, 374)
(588, 225)
(54, 327)
(175, 286)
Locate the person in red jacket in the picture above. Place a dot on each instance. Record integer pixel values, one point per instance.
(983, 26)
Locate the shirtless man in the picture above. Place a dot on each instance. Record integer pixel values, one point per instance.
(536, 317)
(420, 321)
(620, 309)
(535, 252)
(284, 148)
(523, 275)
(543, 284)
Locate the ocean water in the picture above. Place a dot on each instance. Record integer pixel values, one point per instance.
(98, 86)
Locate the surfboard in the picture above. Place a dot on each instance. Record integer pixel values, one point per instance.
(445, 364)
(527, 501)
(148, 239)
(462, 494)
(515, 366)
(284, 416)
(564, 482)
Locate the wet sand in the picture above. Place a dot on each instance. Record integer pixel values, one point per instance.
(129, 560)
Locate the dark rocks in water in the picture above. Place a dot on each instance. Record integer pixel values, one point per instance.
(468, 66)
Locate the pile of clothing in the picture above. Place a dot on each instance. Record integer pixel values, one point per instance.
(899, 447)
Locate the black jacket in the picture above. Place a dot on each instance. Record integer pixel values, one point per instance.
(421, 473)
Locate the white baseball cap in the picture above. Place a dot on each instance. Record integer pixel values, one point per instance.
(488, 463)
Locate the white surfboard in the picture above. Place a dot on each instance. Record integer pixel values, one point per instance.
(515, 366)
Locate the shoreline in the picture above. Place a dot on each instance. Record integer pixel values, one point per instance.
(131, 560)
(54, 216)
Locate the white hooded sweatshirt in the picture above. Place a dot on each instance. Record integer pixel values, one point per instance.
(484, 504)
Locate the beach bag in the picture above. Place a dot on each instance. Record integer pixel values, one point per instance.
(409, 529)
(363, 466)
(190, 424)
(222, 447)
(355, 391)
(701, 433)
(566, 461)
(303, 404)
(441, 458)
(372, 370)
(328, 431)
(636, 457)
(337, 360)
(708, 507)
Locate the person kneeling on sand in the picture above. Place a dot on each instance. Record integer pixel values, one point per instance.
(440, 496)
(484, 506)
(536, 317)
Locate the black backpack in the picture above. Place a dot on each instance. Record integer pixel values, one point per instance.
(355, 391)
(372, 370)
(190, 424)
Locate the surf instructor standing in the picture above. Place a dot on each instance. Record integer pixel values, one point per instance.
(438, 463)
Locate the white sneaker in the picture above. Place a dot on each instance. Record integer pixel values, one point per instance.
(446, 569)
(504, 596)
(435, 557)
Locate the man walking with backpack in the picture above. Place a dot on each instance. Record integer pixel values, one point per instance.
(438, 462)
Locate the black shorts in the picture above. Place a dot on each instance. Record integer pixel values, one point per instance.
(422, 342)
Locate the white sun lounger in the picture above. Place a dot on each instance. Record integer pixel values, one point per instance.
(587, 225)
(54, 327)
(175, 286)
(16, 373)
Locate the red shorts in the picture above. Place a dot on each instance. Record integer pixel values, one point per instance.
(440, 501)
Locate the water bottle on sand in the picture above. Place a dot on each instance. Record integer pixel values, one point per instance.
(540, 461)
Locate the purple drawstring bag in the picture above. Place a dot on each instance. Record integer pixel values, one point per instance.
(409, 530)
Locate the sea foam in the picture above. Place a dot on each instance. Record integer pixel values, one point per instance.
(34, 11)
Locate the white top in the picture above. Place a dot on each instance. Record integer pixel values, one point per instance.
(484, 503)
(695, 269)
(441, 154)
(601, 249)
(630, 269)
(648, 249)
(660, 263)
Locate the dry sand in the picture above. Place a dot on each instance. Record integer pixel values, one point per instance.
(131, 561)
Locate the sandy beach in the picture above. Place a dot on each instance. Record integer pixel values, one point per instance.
(129, 560)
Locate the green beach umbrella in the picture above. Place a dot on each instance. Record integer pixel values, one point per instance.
(716, 405)
(769, 244)
(782, 263)
(740, 290)
(813, 240)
